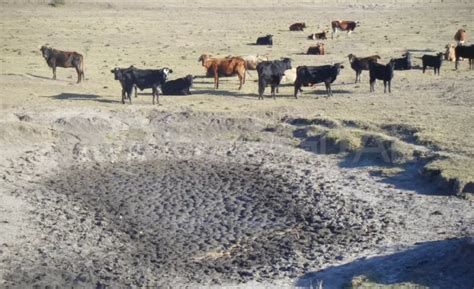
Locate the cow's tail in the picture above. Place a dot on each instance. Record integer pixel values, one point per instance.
(81, 59)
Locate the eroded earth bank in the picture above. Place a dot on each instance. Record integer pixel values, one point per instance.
(144, 197)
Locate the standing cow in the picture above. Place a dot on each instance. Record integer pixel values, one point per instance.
(224, 67)
(57, 58)
(343, 25)
(141, 78)
(465, 52)
(271, 72)
(310, 75)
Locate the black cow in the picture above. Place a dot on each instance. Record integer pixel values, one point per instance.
(119, 75)
(402, 63)
(178, 86)
(57, 58)
(271, 72)
(434, 61)
(142, 78)
(464, 52)
(265, 40)
(309, 75)
(382, 72)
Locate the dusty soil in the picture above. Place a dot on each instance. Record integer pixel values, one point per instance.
(218, 189)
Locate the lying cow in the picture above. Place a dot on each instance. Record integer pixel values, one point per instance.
(297, 26)
(460, 36)
(318, 36)
(361, 63)
(309, 75)
(403, 63)
(381, 72)
(342, 25)
(434, 61)
(141, 78)
(316, 49)
(265, 40)
(465, 52)
(224, 67)
(57, 58)
(450, 54)
(178, 86)
(271, 73)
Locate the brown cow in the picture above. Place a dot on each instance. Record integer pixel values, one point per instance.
(342, 25)
(361, 63)
(224, 67)
(460, 36)
(57, 58)
(316, 49)
(297, 26)
(316, 36)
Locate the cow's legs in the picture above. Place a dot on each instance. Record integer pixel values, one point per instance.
(216, 79)
(358, 76)
(372, 84)
(273, 91)
(424, 68)
(384, 86)
(79, 74)
(240, 81)
(261, 88)
(157, 96)
(327, 89)
(54, 72)
(297, 88)
(334, 31)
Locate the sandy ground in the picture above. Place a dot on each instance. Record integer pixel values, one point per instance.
(216, 190)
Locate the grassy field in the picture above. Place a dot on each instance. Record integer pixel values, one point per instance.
(423, 109)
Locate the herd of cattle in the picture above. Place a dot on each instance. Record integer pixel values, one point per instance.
(270, 72)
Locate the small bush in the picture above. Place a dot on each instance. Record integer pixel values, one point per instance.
(56, 2)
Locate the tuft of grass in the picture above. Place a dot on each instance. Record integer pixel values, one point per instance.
(365, 282)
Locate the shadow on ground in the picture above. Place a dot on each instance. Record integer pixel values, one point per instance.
(83, 97)
(445, 264)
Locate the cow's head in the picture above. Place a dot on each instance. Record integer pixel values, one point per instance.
(440, 55)
(338, 66)
(118, 74)
(269, 36)
(357, 22)
(167, 71)
(351, 57)
(46, 51)
(203, 58)
(303, 25)
(189, 79)
(286, 62)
